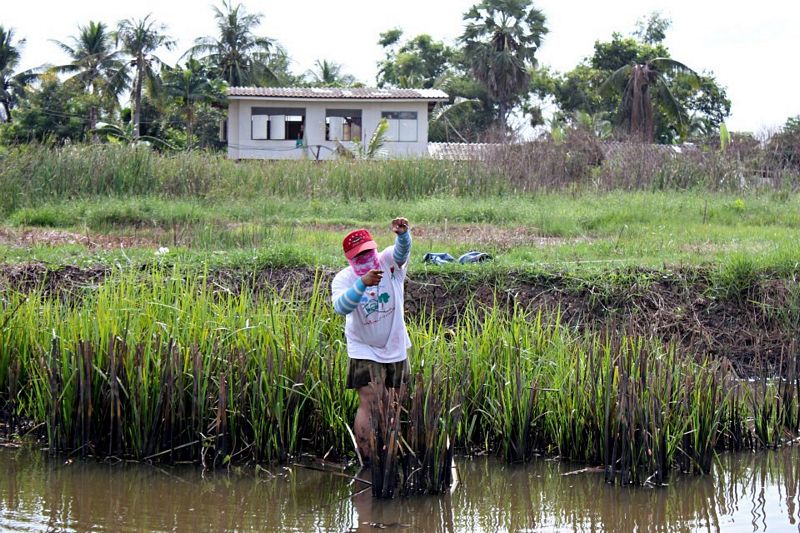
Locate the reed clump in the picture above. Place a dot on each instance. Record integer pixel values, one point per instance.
(158, 365)
(32, 173)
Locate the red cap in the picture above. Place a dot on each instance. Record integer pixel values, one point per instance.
(356, 242)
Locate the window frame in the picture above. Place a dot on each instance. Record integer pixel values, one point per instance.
(399, 117)
(346, 114)
(269, 112)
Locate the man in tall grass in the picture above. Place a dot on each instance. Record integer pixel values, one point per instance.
(370, 294)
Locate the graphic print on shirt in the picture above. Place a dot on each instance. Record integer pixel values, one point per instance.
(375, 305)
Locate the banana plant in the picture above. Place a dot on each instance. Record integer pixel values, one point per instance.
(125, 134)
(371, 150)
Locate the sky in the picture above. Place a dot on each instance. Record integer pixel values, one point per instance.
(750, 47)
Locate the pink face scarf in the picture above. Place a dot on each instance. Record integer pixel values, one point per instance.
(365, 262)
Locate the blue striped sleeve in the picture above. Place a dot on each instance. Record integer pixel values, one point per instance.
(348, 301)
(402, 248)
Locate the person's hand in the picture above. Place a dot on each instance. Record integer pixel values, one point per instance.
(400, 225)
(372, 278)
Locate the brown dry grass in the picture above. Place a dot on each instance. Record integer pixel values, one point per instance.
(478, 235)
(30, 237)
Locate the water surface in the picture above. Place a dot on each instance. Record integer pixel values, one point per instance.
(746, 492)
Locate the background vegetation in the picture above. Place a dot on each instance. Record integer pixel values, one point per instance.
(491, 73)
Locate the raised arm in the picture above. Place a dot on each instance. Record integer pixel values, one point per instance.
(402, 243)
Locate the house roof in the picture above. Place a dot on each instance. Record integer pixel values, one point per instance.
(334, 93)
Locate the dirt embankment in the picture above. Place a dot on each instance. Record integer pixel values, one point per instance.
(754, 326)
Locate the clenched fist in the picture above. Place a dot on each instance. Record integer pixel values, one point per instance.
(372, 278)
(400, 225)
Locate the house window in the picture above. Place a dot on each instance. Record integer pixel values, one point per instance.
(259, 125)
(343, 124)
(277, 123)
(402, 125)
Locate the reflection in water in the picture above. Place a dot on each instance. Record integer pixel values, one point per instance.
(748, 492)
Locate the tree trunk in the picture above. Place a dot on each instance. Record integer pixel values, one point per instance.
(7, 110)
(189, 126)
(137, 100)
(503, 113)
(93, 124)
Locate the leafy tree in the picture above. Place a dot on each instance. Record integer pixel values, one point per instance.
(784, 146)
(278, 64)
(416, 63)
(702, 100)
(329, 74)
(652, 29)
(188, 86)
(421, 62)
(467, 116)
(236, 54)
(621, 50)
(140, 40)
(55, 112)
(12, 83)
(166, 113)
(96, 65)
(705, 100)
(500, 42)
(640, 85)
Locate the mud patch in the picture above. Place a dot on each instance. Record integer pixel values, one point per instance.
(62, 282)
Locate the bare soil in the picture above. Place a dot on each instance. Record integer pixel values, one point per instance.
(751, 328)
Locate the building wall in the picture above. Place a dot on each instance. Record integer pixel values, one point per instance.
(241, 146)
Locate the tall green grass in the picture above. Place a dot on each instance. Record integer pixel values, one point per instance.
(29, 174)
(32, 173)
(164, 366)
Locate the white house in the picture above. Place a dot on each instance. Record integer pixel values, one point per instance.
(295, 122)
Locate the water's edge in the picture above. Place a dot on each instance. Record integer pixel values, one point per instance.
(753, 492)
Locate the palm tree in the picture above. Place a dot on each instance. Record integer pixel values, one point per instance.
(500, 41)
(329, 74)
(96, 64)
(140, 39)
(642, 86)
(189, 85)
(12, 84)
(236, 54)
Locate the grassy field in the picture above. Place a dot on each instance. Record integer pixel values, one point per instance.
(163, 362)
(546, 231)
(93, 202)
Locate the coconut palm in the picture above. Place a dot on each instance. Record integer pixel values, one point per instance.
(236, 54)
(12, 84)
(500, 41)
(140, 40)
(96, 65)
(644, 85)
(189, 86)
(329, 74)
